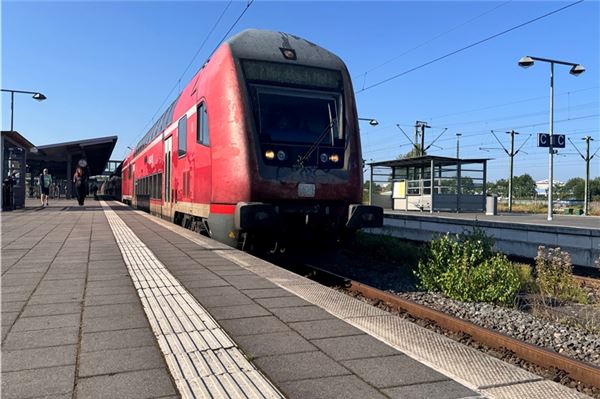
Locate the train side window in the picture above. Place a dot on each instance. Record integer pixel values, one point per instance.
(129, 172)
(202, 128)
(158, 186)
(182, 134)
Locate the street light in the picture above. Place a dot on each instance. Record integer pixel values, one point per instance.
(36, 96)
(372, 122)
(576, 70)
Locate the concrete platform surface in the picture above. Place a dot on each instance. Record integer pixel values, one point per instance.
(104, 301)
(538, 219)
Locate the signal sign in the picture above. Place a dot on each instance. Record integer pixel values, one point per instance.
(556, 140)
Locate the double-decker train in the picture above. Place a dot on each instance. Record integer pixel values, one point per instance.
(262, 145)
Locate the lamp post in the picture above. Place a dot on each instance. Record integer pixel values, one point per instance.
(36, 96)
(372, 122)
(576, 70)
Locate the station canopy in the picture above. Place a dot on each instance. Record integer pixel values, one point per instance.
(426, 161)
(61, 159)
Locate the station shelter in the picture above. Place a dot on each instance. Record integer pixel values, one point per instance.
(61, 159)
(14, 149)
(429, 183)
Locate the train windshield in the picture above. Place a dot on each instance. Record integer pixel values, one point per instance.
(299, 117)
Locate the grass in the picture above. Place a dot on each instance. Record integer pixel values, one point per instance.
(388, 249)
(542, 207)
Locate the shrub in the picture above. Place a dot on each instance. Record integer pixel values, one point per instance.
(526, 280)
(555, 275)
(464, 268)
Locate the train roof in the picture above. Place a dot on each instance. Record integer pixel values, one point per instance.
(264, 45)
(269, 45)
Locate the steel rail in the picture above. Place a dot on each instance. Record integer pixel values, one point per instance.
(577, 370)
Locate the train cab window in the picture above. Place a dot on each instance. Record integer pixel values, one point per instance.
(182, 134)
(129, 172)
(299, 117)
(202, 130)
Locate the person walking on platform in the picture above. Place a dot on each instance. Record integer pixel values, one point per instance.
(81, 181)
(94, 190)
(45, 183)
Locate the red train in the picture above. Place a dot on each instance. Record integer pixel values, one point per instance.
(263, 143)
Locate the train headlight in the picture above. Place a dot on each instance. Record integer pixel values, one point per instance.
(335, 158)
(281, 155)
(270, 154)
(324, 157)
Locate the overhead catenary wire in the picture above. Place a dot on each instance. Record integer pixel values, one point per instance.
(364, 74)
(178, 82)
(468, 46)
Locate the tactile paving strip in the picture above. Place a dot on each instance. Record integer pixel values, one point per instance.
(492, 377)
(335, 302)
(203, 360)
(459, 360)
(533, 390)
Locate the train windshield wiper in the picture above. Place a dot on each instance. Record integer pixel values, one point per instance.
(317, 142)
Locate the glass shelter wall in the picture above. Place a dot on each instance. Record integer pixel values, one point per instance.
(430, 184)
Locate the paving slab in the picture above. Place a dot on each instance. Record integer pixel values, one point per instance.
(100, 341)
(42, 338)
(324, 328)
(301, 313)
(111, 299)
(284, 302)
(347, 387)
(25, 359)
(131, 385)
(306, 365)
(354, 347)
(391, 371)
(46, 322)
(120, 309)
(37, 382)
(119, 360)
(431, 390)
(52, 309)
(238, 311)
(113, 323)
(267, 293)
(254, 325)
(273, 343)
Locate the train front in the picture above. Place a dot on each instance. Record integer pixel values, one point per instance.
(306, 163)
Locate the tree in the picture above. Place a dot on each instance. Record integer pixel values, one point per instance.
(499, 188)
(572, 189)
(413, 153)
(524, 186)
(377, 189)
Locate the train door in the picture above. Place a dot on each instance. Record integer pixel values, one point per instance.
(132, 182)
(168, 204)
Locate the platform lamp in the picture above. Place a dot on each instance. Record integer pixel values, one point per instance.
(36, 96)
(576, 70)
(372, 122)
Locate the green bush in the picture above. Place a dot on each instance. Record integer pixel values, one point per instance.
(465, 268)
(526, 280)
(554, 272)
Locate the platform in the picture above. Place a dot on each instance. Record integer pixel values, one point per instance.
(104, 301)
(515, 234)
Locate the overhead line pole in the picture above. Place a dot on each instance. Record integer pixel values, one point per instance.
(421, 126)
(587, 158)
(511, 169)
(511, 154)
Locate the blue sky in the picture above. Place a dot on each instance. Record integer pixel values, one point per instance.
(106, 68)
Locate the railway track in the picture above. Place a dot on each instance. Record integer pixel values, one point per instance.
(586, 374)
